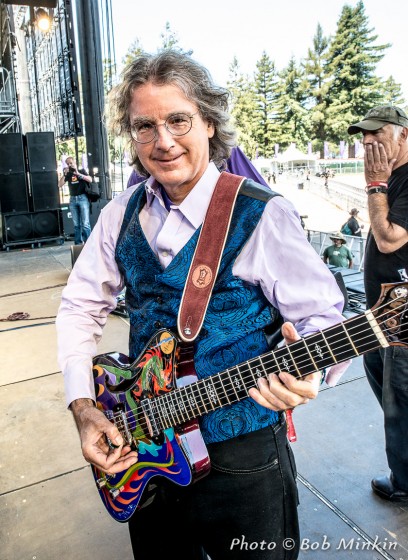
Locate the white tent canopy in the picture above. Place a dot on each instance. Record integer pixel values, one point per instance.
(295, 157)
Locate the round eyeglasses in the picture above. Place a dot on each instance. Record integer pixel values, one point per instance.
(178, 124)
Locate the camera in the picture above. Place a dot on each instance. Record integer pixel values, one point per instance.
(71, 169)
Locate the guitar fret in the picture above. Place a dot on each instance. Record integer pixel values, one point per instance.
(327, 344)
(310, 355)
(222, 375)
(178, 403)
(201, 384)
(238, 384)
(211, 379)
(276, 361)
(186, 401)
(232, 384)
(206, 383)
(252, 373)
(258, 369)
(351, 342)
(294, 363)
(283, 354)
(158, 424)
(166, 423)
(172, 408)
(304, 363)
(192, 397)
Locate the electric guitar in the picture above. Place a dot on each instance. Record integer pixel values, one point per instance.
(156, 399)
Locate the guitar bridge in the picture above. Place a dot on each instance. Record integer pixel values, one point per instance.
(119, 418)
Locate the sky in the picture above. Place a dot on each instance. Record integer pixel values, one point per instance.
(218, 30)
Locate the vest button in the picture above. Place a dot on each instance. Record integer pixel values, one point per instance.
(157, 324)
(159, 299)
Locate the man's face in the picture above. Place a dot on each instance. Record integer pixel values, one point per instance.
(338, 242)
(176, 162)
(385, 136)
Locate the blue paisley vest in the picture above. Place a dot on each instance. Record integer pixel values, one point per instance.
(238, 313)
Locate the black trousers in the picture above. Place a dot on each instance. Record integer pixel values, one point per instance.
(246, 508)
(387, 373)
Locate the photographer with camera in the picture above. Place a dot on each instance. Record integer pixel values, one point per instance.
(79, 204)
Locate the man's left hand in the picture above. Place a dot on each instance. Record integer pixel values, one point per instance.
(376, 164)
(283, 391)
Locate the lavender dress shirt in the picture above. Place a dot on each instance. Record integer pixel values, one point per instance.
(277, 257)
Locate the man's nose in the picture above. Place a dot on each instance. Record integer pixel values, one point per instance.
(164, 139)
(368, 138)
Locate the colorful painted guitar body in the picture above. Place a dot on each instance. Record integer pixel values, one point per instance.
(123, 389)
(156, 399)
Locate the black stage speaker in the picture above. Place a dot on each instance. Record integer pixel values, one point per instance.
(44, 190)
(41, 151)
(12, 153)
(13, 192)
(31, 226)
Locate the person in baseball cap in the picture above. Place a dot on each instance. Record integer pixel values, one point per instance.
(378, 117)
(385, 139)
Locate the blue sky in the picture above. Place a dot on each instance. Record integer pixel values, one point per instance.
(218, 30)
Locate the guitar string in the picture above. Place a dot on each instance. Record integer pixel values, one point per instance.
(217, 378)
(248, 375)
(207, 402)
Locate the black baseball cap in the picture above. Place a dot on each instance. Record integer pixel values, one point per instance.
(378, 117)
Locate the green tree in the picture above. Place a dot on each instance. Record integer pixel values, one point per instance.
(243, 108)
(170, 40)
(353, 85)
(392, 92)
(266, 93)
(290, 106)
(315, 68)
(135, 49)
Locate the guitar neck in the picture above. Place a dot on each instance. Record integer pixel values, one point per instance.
(346, 340)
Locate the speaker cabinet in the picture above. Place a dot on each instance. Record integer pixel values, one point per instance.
(44, 190)
(31, 226)
(67, 222)
(41, 151)
(12, 159)
(13, 191)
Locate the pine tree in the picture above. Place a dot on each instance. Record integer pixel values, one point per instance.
(135, 49)
(265, 84)
(392, 92)
(293, 116)
(315, 67)
(170, 40)
(243, 108)
(353, 88)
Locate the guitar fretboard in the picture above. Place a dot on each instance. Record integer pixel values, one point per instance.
(336, 344)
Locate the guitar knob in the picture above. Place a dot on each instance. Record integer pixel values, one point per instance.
(114, 492)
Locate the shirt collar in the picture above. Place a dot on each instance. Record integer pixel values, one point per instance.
(194, 206)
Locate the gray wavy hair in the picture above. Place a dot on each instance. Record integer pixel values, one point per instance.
(172, 67)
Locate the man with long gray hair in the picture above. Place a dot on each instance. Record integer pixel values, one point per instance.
(177, 123)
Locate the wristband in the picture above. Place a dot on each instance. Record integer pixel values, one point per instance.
(374, 190)
(376, 184)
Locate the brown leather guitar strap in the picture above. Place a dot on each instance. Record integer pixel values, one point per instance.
(207, 256)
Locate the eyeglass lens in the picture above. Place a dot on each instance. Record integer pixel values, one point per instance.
(177, 124)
